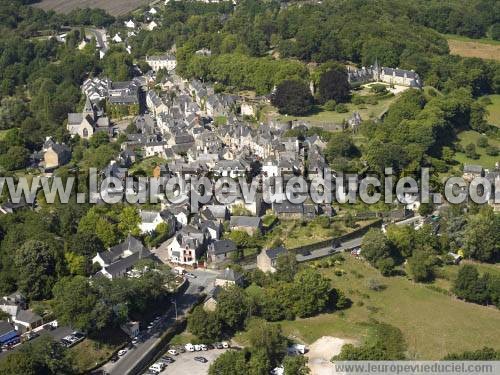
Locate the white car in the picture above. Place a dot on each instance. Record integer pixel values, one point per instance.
(197, 347)
(189, 347)
(122, 352)
(135, 341)
(225, 345)
(172, 352)
(203, 347)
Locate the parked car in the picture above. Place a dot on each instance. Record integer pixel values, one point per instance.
(189, 347)
(336, 243)
(201, 359)
(191, 275)
(122, 352)
(114, 358)
(167, 359)
(135, 340)
(157, 367)
(203, 347)
(197, 347)
(218, 345)
(173, 352)
(225, 344)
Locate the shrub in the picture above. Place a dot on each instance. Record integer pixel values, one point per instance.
(492, 151)
(330, 105)
(341, 108)
(482, 141)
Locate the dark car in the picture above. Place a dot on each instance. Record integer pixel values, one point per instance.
(201, 359)
(167, 359)
(306, 253)
(219, 346)
(114, 358)
(336, 243)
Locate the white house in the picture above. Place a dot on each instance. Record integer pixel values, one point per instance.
(117, 38)
(149, 221)
(183, 249)
(166, 61)
(151, 26)
(130, 24)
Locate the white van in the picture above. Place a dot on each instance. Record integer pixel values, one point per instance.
(156, 367)
(197, 347)
(297, 349)
(189, 347)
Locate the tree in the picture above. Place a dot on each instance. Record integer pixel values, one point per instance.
(12, 112)
(484, 354)
(15, 158)
(375, 249)
(384, 342)
(495, 31)
(469, 286)
(421, 265)
(482, 236)
(314, 291)
(229, 363)
(267, 337)
(42, 356)
(76, 303)
(470, 151)
(401, 237)
(333, 85)
(232, 307)
(296, 365)
(292, 97)
(204, 324)
(36, 267)
(286, 266)
(259, 362)
(129, 220)
(425, 209)
(341, 145)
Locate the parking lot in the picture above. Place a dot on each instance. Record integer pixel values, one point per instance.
(185, 363)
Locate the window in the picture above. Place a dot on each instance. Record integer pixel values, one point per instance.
(85, 133)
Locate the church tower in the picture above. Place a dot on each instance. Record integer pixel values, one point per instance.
(88, 109)
(376, 71)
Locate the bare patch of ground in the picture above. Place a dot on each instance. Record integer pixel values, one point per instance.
(321, 351)
(474, 49)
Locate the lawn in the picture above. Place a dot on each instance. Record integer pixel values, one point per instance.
(295, 233)
(331, 120)
(92, 352)
(432, 322)
(482, 48)
(494, 110)
(471, 136)
(147, 165)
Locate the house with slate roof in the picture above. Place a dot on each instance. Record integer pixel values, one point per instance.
(266, 260)
(121, 258)
(220, 251)
(229, 277)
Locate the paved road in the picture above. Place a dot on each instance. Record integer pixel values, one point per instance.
(101, 38)
(319, 253)
(205, 279)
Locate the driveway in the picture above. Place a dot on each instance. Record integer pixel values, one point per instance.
(185, 363)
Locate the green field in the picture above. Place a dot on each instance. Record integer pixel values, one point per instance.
(433, 323)
(331, 120)
(494, 110)
(471, 136)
